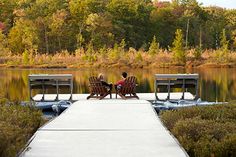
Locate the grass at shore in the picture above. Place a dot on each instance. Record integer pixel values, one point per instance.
(110, 58)
(17, 125)
(204, 131)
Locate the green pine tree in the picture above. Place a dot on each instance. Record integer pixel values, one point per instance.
(2, 43)
(122, 46)
(25, 57)
(154, 46)
(224, 49)
(178, 48)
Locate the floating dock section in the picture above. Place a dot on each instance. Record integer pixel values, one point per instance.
(79, 97)
(105, 128)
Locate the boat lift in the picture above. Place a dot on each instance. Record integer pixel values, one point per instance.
(182, 81)
(44, 81)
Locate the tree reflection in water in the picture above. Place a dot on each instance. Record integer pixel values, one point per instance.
(215, 84)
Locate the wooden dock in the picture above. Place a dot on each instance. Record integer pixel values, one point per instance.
(105, 128)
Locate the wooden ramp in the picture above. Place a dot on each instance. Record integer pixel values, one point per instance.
(105, 128)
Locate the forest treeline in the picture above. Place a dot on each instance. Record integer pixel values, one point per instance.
(50, 26)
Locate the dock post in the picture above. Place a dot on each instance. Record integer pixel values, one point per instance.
(183, 89)
(71, 88)
(155, 89)
(168, 97)
(30, 97)
(43, 87)
(57, 90)
(196, 96)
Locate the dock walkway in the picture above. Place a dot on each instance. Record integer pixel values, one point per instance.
(105, 128)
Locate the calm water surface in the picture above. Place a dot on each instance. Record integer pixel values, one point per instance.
(215, 84)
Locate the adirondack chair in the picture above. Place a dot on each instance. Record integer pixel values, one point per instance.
(128, 89)
(97, 89)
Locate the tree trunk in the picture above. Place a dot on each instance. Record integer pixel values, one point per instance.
(46, 38)
(59, 42)
(186, 46)
(200, 38)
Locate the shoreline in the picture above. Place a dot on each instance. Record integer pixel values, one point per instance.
(128, 60)
(120, 66)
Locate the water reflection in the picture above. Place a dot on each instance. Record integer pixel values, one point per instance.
(215, 84)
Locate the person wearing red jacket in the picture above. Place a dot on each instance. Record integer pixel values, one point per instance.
(121, 82)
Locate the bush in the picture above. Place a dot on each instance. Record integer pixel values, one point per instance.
(89, 58)
(197, 53)
(114, 53)
(25, 57)
(204, 131)
(138, 56)
(17, 125)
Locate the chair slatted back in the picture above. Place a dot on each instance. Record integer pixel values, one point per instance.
(129, 85)
(96, 86)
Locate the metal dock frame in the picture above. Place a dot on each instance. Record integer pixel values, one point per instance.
(41, 81)
(177, 81)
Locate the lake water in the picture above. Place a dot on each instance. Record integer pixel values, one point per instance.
(214, 84)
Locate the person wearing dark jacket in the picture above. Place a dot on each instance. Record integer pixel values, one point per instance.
(107, 85)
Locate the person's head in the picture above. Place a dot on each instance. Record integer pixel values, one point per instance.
(100, 76)
(124, 74)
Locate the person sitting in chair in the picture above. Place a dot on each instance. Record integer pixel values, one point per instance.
(121, 82)
(107, 85)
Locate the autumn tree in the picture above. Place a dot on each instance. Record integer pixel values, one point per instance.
(23, 36)
(51, 26)
(130, 19)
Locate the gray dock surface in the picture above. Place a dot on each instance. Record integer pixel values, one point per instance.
(142, 96)
(105, 128)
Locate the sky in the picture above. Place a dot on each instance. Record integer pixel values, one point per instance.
(229, 4)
